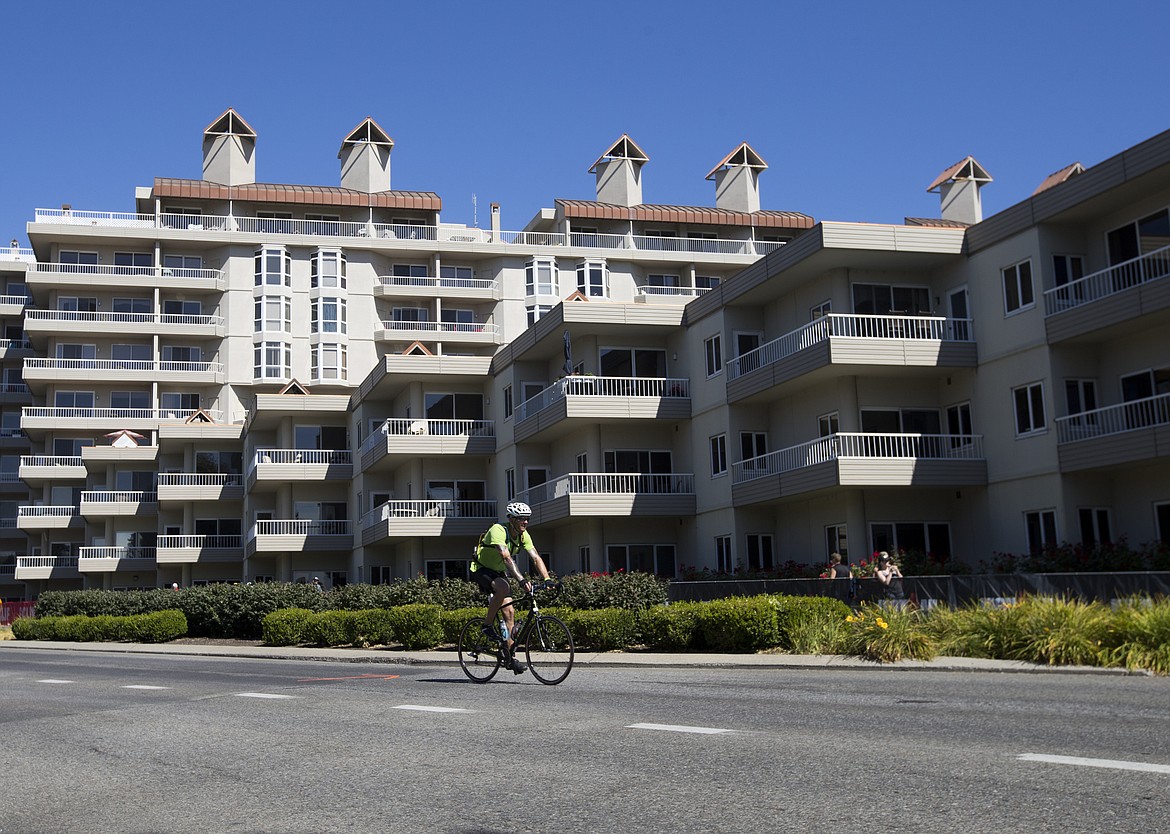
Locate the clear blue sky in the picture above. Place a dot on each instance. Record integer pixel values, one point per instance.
(854, 106)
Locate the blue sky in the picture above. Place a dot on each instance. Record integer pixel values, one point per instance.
(854, 106)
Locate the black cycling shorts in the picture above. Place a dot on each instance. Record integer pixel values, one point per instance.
(484, 577)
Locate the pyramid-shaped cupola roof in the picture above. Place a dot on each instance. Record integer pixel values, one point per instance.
(737, 179)
(958, 187)
(623, 148)
(229, 150)
(365, 158)
(965, 170)
(619, 173)
(743, 156)
(230, 123)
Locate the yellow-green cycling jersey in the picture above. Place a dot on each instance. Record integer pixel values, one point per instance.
(488, 553)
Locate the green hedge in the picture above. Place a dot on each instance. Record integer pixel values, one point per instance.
(672, 628)
(739, 624)
(602, 629)
(410, 626)
(155, 627)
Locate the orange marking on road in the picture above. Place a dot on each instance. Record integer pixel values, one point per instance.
(349, 678)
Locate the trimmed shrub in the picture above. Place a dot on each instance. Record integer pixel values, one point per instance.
(810, 625)
(671, 628)
(155, 627)
(332, 628)
(632, 591)
(602, 629)
(29, 628)
(285, 627)
(452, 622)
(416, 626)
(739, 624)
(375, 627)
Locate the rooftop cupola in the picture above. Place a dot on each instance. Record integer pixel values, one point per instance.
(958, 188)
(619, 173)
(365, 158)
(737, 180)
(229, 151)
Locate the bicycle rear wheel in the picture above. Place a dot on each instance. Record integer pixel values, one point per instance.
(549, 650)
(479, 656)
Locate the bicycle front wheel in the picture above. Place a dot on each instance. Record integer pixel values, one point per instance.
(549, 650)
(479, 656)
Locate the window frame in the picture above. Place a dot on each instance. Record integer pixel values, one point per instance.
(717, 447)
(713, 355)
(1034, 400)
(1022, 288)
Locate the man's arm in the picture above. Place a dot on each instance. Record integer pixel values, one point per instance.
(510, 567)
(538, 563)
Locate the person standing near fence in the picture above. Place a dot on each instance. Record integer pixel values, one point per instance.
(890, 576)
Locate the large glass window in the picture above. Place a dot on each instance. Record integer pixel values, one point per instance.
(273, 314)
(452, 406)
(1040, 529)
(713, 352)
(328, 315)
(327, 269)
(273, 267)
(638, 460)
(889, 299)
(1029, 406)
(593, 279)
(931, 538)
(273, 360)
(657, 559)
(72, 261)
(329, 361)
(646, 363)
(133, 263)
(718, 450)
(1017, 287)
(540, 277)
(1139, 238)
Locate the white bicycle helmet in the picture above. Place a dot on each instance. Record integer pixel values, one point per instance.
(518, 509)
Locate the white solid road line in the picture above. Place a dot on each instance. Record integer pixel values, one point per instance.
(1113, 764)
(430, 709)
(678, 728)
(53, 680)
(143, 686)
(263, 695)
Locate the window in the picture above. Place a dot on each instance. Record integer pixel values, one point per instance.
(322, 224)
(540, 277)
(818, 311)
(1066, 269)
(536, 311)
(583, 560)
(657, 559)
(72, 304)
(271, 222)
(900, 421)
(410, 314)
(329, 361)
(273, 314)
(959, 424)
(175, 307)
(507, 401)
(593, 279)
(828, 424)
(455, 276)
(129, 399)
(718, 455)
(71, 447)
(381, 575)
(1162, 520)
(328, 315)
(836, 541)
(130, 353)
(73, 399)
(133, 263)
(638, 460)
(452, 406)
(327, 269)
(212, 462)
(1029, 405)
(127, 480)
(509, 484)
(746, 342)
(77, 262)
(657, 280)
(457, 317)
(1094, 525)
(181, 266)
(752, 444)
(72, 351)
(320, 437)
(1136, 239)
(645, 363)
(273, 267)
(724, 561)
(130, 306)
(1080, 395)
(1040, 529)
(759, 551)
(1017, 287)
(181, 353)
(930, 538)
(410, 271)
(462, 498)
(273, 360)
(706, 282)
(886, 299)
(447, 569)
(1146, 384)
(713, 349)
(178, 401)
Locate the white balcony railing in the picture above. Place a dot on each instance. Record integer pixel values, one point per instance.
(622, 387)
(485, 510)
(685, 293)
(14, 388)
(126, 552)
(928, 328)
(426, 283)
(298, 456)
(41, 363)
(46, 511)
(1148, 267)
(152, 272)
(200, 541)
(15, 300)
(301, 527)
(118, 496)
(1114, 419)
(617, 483)
(46, 562)
(108, 414)
(51, 460)
(441, 327)
(199, 479)
(88, 317)
(15, 344)
(859, 445)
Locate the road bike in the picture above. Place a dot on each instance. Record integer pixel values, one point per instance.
(544, 640)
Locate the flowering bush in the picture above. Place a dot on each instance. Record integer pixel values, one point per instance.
(1081, 558)
(887, 633)
(786, 570)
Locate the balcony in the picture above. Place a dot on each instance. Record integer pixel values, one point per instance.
(575, 401)
(839, 343)
(47, 276)
(192, 549)
(1135, 432)
(298, 535)
(436, 331)
(277, 466)
(650, 294)
(860, 460)
(621, 494)
(91, 420)
(200, 486)
(11, 482)
(412, 519)
(43, 370)
(100, 503)
(48, 517)
(63, 322)
(41, 468)
(399, 439)
(15, 348)
(111, 559)
(15, 393)
(400, 286)
(1110, 297)
(46, 567)
(13, 305)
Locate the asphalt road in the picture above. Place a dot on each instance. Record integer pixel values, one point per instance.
(137, 743)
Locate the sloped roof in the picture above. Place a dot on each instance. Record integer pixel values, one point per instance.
(231, 123)
(592, 210)
(742, 155)
(1057, 177)
(965, 169)
(368, 131)
(623, 148)
(936, 222)
(262, 192)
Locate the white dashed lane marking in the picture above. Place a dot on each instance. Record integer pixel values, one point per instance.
(264, 695)
(53, 680)
(1113, 764)
(679, 728)
(430, 709)
(143, 686)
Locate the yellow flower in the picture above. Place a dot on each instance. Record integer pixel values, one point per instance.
(882, 623)
(850, 619)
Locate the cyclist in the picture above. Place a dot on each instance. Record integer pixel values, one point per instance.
(495, 562)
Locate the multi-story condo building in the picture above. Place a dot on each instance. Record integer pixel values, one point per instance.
(241, 381)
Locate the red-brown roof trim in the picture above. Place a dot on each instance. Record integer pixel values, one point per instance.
(317, 195)
(591, 210)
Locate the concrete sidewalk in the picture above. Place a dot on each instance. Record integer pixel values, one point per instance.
(615, 660)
